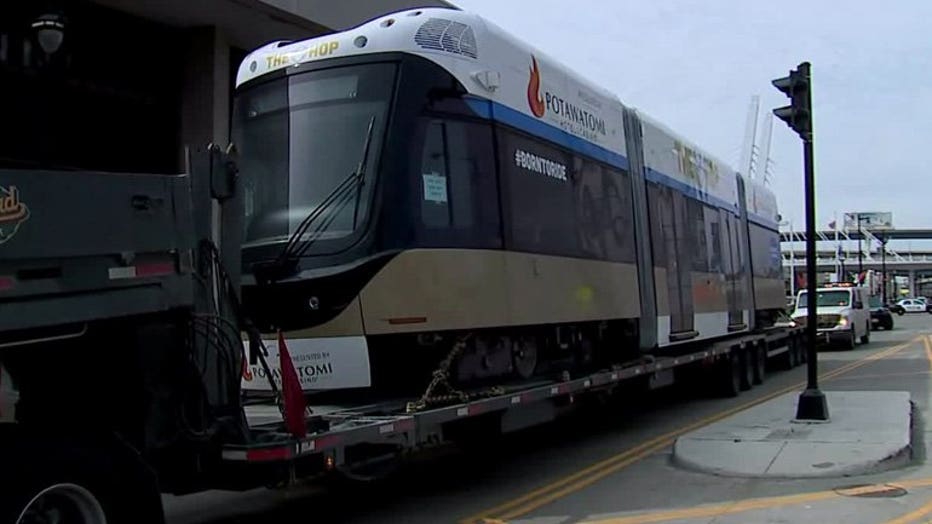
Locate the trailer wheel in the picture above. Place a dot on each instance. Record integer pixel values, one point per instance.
(760, 363)
(792, 354)
(747, 368)
(731, 373)
(73, 480)
(63, 502)
(802, 350)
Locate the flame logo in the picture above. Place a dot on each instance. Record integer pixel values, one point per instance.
(534, 100)
(13, 212)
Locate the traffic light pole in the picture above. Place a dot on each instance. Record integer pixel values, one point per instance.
(798, 115)
(812, 404)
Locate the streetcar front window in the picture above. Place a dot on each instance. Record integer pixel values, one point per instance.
(309, 145)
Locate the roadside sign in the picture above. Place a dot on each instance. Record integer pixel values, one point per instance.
(870, 220)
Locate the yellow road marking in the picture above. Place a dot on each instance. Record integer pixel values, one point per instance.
(915, 514)
(883, 375)
(928, 345)
(729, 508)
(586, 476)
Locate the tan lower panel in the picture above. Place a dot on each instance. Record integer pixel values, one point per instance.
(447, 288)
(440, 289)
(769, 293)
(547, 289)
(661, 292)
(709, 293)
(347, 323)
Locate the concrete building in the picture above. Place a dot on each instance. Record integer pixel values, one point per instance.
(134, 82)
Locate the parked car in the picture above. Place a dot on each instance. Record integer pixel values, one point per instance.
(881, 317)
(913, 305)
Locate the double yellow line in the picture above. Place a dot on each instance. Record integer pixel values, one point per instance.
(730, 508)
(927, 342)
(572, 483)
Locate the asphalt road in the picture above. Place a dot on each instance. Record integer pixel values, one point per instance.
(612, 465)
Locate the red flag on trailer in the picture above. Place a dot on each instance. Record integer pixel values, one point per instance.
(292, 395)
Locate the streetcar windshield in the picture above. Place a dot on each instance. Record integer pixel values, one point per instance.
(299, 138)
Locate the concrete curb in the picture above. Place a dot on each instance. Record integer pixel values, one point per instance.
(870, 432)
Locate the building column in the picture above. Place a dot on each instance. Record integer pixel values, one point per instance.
(205, 119)
(205, 95)
(912, 282)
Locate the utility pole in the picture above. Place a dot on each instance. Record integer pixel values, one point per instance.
(883, 267)
(797, 86)
(860, 251)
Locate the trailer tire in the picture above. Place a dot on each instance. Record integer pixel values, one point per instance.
(760, 362)
(92, 480)
(747, 368)
(731, 373)
(803, 350)
(792, 354)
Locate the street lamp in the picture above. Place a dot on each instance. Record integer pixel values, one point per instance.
(860, 252)
(883, 267)
(50, 32)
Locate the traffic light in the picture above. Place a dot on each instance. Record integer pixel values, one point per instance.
(798, 115)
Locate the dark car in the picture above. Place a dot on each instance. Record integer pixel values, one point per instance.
(881, 315)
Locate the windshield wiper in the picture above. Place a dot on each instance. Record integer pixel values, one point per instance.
(359, 179)
(287, 261)
(361, 169)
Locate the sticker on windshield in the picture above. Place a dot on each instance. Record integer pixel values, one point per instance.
(435, 187)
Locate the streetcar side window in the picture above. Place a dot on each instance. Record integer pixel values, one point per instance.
(538, 182)
(455, 183)
(435, 199)
(714, 229)
(695, 217)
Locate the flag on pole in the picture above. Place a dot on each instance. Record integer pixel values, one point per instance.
(292, 395)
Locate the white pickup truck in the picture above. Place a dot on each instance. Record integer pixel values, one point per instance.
(843, 315)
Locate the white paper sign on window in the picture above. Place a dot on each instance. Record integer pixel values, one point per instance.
(435, 187)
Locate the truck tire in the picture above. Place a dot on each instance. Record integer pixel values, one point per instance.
(792, 354)
(867, 334)
(731, 373)
(802, 350)
(747, 368)
(760, 363)
(80, 480)
(852, 341)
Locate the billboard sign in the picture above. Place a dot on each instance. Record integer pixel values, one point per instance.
(870, 221)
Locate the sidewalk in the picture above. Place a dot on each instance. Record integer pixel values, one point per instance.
(869, 431)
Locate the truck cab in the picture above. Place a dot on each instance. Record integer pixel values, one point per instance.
(843, 315)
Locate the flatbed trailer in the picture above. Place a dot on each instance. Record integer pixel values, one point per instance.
(730, 365)
(112, 353)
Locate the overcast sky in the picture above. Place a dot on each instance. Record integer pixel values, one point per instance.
(694, 65)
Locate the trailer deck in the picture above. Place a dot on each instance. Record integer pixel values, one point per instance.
(392, 423)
